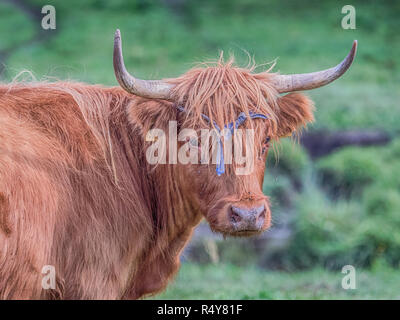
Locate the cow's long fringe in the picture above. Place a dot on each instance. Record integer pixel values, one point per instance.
(222, 91)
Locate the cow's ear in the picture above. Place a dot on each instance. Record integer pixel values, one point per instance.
(295, 111)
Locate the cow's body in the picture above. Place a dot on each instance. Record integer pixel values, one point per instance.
(76, 194)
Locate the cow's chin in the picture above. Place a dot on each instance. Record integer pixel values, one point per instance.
(243, 233)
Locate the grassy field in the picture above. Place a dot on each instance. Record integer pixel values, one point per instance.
(231, 282)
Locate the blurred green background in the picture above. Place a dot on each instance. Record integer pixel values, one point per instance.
(334, 209)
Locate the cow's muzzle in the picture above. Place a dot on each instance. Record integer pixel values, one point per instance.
(247, 219)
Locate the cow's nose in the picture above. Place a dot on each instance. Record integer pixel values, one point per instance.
(247, 219)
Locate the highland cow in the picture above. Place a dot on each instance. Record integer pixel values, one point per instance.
(77, 193)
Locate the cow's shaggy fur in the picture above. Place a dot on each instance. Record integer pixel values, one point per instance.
(77, 193)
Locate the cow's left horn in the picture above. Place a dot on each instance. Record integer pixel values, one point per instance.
(307, 81)
(155, 89)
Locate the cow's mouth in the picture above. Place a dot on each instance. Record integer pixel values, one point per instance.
(246, 233)
(233, 232)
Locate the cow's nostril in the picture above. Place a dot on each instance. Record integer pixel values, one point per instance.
(261, 217)
(235, 218)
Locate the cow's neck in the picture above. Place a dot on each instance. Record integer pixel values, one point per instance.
(174, 222)
(171, 208)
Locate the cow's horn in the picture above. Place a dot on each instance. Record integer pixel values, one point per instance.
(306, 81)
(155, 89)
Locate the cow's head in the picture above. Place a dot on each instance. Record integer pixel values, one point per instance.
(230, 195)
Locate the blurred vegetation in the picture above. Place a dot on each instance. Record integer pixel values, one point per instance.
(343, 208)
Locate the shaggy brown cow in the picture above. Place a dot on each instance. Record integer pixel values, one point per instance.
(77, 193)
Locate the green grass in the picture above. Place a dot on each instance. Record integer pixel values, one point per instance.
(231, 282)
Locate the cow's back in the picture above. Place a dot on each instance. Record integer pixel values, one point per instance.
(57, 191)
(41, 140)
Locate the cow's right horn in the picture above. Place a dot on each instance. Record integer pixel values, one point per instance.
(154, 89)
(306, 81)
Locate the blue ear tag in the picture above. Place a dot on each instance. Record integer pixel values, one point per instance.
(220, 165)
